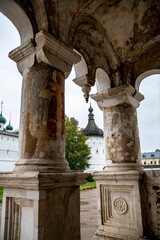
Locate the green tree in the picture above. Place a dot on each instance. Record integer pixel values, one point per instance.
(77, 150)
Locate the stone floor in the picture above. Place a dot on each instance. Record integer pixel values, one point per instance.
(88, 213)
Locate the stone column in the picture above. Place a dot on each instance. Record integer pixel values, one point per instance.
(120, 213)
(41, 197)
(121, 134)
(42, 121)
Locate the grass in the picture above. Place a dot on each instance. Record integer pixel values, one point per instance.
(1, 194)
(88, 185)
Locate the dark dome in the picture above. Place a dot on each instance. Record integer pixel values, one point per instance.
(92, 129)
(2, 119)
(9, 127)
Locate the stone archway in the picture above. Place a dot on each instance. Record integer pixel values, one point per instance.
(18, 17)
(120, 37)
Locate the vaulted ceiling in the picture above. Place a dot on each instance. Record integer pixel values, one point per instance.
(122, 37)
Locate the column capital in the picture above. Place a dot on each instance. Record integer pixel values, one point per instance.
(83, 82)
(118, 95)
(45, 49)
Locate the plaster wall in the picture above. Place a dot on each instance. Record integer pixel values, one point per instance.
(1, 126)
(8, 151)
(97, 161)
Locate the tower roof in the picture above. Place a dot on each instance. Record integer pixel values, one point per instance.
(2, 119)
(9, 127)
(92, 129)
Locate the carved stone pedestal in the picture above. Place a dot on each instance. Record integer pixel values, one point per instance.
(119, 203)
(41, 206)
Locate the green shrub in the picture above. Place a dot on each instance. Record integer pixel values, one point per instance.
(90, 178)
(1, 194)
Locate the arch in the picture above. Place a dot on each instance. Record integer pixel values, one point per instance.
(103, 82)
(144, 75)
(81, 67)
(88, 36)
(18, 17)
(149, 113)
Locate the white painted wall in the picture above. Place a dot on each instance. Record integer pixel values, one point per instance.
(1, 126)
(97, 160)
(8, 151)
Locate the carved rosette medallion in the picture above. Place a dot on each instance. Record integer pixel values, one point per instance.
(120, 205)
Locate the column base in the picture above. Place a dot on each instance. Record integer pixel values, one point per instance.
(121, 167)
(59, 165)
(119, 203)
(41, 206)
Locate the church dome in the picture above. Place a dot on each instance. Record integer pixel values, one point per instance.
(92, 129)
(9, 127)
(2, 119)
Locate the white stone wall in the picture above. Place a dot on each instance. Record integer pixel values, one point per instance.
(97, 161)
(1, 126)
(8, 151)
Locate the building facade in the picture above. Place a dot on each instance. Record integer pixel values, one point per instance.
(150, 158)
(8, 146)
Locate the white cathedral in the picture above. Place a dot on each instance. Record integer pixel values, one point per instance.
(8, 145)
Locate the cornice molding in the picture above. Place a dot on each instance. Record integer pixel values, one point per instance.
(23, 51)
(81, 81)
(118, 95)
(46, 49)
(57, 48)
(40, 181)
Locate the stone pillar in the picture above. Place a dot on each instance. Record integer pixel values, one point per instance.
(42, 121)
(121, 134)
(120, 213)
(41, 197)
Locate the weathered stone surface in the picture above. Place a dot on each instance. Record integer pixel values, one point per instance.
(41, 206)
(151, 203)
(42, 121)
(120, 37)
(119, 205)
(121, 134)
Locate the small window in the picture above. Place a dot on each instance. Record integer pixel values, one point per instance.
(155, 162)
(152, 155)
(13, 139)
(1, 137)
(96, 150)
(144, 163)
(7, 138)
(151, 162)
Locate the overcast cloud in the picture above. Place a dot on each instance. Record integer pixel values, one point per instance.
(10, 94)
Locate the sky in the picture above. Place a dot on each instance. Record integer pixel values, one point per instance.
(75, 105)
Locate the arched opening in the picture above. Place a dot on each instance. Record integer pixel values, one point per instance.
(145, 75)
(76, 107)
(10, 95)
(149, 112)
(17, 16)
(103, 82)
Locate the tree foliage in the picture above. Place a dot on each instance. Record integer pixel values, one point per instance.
(77, 150)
